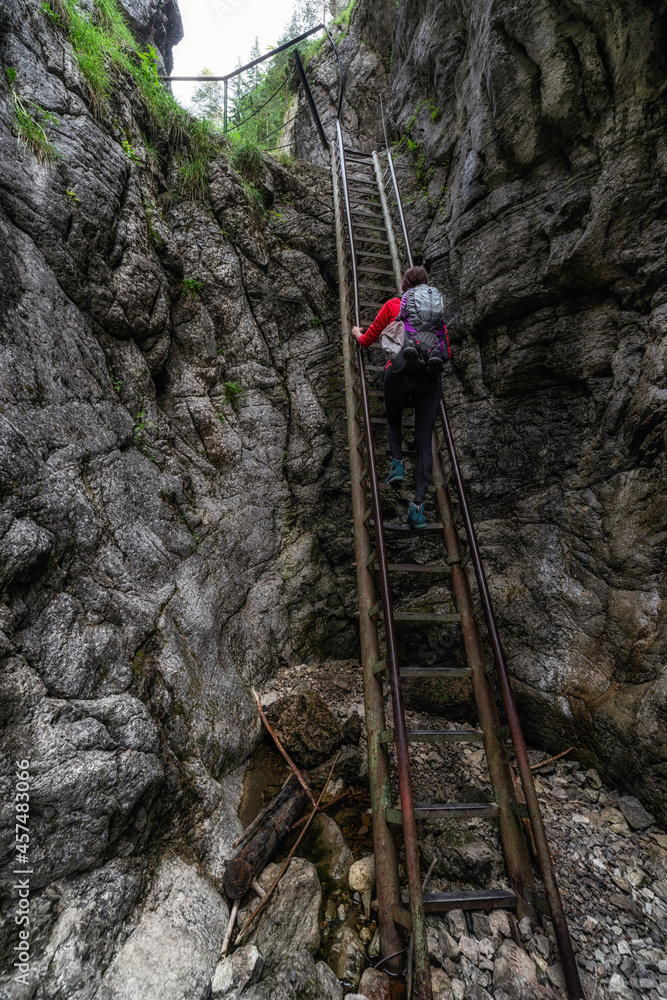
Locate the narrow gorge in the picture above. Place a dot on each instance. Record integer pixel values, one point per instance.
(174, 498)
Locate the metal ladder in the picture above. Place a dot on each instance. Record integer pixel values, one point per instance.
(366, 202)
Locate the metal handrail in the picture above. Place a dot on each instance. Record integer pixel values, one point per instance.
(400, 729)
(544, 859)
(340, 73)
(255, 62)
(397, 191)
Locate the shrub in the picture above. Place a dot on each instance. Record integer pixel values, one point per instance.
(29, 121)
(234, 393)
(190, 288)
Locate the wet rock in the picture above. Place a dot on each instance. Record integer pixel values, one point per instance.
(290, 921)
(236, 973)
(362, 874)
(301, 978)
(347, 956)
(514, 971)
(352, 730)
(441, 945)
(375, 985)
(477, 862)
(635, 814)
(326, 848)
(442, 985)
(306, 727)
(348, 767)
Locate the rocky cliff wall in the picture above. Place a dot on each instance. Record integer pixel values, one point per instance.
(534, 167)
(173, 518)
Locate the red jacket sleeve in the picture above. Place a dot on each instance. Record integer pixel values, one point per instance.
(387, 315)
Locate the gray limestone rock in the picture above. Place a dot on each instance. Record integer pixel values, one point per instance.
(173, 949)
(347, 956)
(306, 727)
(326, 848)
(299, 978)
(236, 973)
(634, 812)
(289, 923)
(514, 972)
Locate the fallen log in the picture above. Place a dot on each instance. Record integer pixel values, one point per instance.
(276, 821)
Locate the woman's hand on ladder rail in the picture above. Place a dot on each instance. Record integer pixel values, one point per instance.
(357, 332)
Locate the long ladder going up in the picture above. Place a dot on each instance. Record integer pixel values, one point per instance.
(369, 269)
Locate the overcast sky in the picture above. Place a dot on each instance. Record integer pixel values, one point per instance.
(218, 32)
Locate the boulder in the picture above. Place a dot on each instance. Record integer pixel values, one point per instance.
(619, 988)
(362, 874)
(326, 848)
(636, 816)
(375, 985)
(301, 978)
(306, 727)
(441, 945)
(290, 921)
(514, 971)
(236, 973)
(347, 956)
(476, 862)
(442, 985)
(352, 729)
(172, 951)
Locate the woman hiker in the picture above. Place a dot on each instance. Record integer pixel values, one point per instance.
(415, 381)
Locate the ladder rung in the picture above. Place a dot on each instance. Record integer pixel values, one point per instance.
(383, 420)
(449, 810)
(390, 290)
(483, 899)
(418, 568)
(379, 666)
(405, 493)
(370, 253)
(436, 736)
(376, 270)
(360, 180)
(443, 672)
(388, 526)
(427, 616)
(374, 610)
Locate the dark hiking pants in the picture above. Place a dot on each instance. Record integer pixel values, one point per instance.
(421, 391)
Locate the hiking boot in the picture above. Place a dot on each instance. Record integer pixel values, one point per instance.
(396, 473)
(434, 363)
(416, 515)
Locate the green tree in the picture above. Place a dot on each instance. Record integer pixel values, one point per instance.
(209, 99)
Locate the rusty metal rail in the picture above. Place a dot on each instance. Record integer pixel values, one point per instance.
(373, 244)
(544, 859)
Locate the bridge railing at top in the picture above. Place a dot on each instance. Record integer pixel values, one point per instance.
(225, 79)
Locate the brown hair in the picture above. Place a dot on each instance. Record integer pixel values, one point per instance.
(415, 276)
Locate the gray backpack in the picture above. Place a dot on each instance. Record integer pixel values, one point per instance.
(418, 338)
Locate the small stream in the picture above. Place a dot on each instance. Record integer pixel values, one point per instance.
(341, 907)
